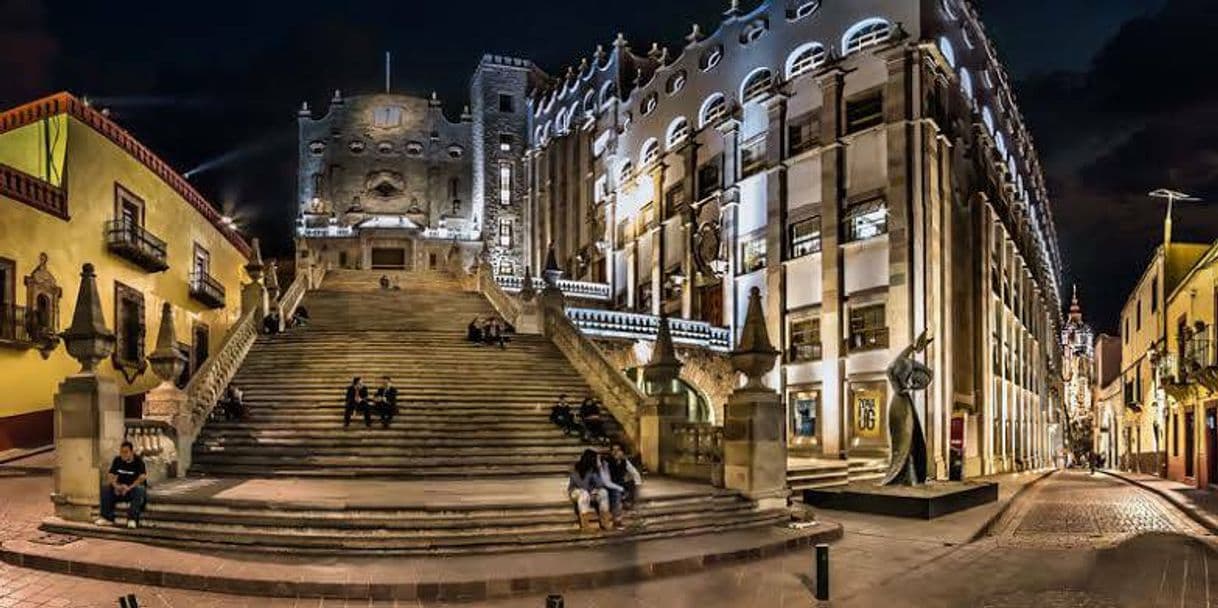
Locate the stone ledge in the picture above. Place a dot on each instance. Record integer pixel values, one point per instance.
(466, 578)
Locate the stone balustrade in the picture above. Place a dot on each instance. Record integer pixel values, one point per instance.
(156, 441)
(583, 290)
(295, 292)
(507, 306)
(636, 326)
(697, 452)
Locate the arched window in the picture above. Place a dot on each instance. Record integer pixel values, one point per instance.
(987, 118)
(713, 110)
(801, 9)
(863, 34)
(753, 31)
(805, 58)
(624, 172)
(757, 83)
(648, 105)
(675, 83)
(649, 153)
(608, 90)
(949, 52)
(948, 9)
(1000, 144)
(678, 132)
(711, 58)
(966, 83)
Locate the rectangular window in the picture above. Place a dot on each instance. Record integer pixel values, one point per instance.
(1138, 318)
(1154, 294)
(644, 299)
(1175, 434)
(805, 407)
(625, 232)
(505, 142)
(865, 220)
(802, 134)
(868, 328)
(10, 325)
(129, 320)
(506, 103)
(804, 237)
(710, 177)
(505, 184)
(753, 155)
(805, 340)
(864, 113)
(752, 255)
(505, 232)
(600, 191)
(675, 199)
(647, 217)
(128, 207)
(202, 260)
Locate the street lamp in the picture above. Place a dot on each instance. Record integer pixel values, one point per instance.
(1171, 196)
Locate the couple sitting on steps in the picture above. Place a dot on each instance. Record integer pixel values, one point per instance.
(608, 482)
(384, 402)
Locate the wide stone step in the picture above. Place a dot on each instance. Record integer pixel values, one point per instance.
(404, 440)
(358, 430)
(242, 469)
(373, 452)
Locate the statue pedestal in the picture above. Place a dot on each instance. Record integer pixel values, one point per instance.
(254, 297)
(656, 441)
(754, 449)
(926, 501)
(88, 431)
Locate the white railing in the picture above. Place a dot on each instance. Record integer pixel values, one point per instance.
(448, 234)
(636, 326)
(156, 441)
(206, 386)
(295, 293)
(583, 290)
(331, 232)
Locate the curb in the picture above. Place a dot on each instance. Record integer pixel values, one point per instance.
(421, 590)
(16, 455)
(1206, 521)
(994, 519)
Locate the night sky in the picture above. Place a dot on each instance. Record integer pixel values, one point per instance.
(1120, 95)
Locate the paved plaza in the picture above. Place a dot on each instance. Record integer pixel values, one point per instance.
(1069, 539)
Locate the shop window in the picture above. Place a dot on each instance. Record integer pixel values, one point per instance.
(805, 340)
(804, 237)
(805, 410)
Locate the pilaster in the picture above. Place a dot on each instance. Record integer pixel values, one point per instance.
(833, 165)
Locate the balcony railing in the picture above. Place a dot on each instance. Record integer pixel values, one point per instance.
(449, 234)
(867, 339)
(584, 290)
(131, 241)
(325, 232)
(206, 289)
(752, 155)
(13, 328)
(636, 326)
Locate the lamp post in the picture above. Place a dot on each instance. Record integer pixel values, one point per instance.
(1171, 196)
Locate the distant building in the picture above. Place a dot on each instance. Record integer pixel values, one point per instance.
(74, 188)
(1108, 400)
(1078, 363)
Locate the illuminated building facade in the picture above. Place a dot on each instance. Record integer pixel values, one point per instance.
(865, 166)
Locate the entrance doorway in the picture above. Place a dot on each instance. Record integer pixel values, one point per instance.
(1211, 445)
(388, 258)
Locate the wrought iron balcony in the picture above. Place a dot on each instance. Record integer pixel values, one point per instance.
(584, 290)
(636, 326)
(129, 240)
(206, 289)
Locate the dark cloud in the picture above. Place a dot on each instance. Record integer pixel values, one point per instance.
(1145, 115)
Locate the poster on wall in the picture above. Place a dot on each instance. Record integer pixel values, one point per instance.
(867, 402)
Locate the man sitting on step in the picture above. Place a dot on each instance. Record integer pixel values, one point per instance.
(562, 417)
(386, 401)
(623, 475)
(357, 399)
(593, 422)
(124, 483)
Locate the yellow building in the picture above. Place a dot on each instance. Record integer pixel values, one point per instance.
(1190, 375)
(75, 188)
(1142, 336)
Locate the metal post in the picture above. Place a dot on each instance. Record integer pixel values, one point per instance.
(822, 572)
(554, 601)
(129, 601)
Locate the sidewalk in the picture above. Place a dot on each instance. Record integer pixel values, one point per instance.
(1200, 505)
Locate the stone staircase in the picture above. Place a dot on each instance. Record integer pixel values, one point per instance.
(471, 463)
(820, 473)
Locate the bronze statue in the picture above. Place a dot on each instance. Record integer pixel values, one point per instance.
(908, 466)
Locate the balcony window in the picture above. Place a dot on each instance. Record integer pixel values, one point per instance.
(864, 113)
(866, 220)
(126, 236)
(753, 255)
(805, 341)
(868, 328)
(804, 237)
(203, 287)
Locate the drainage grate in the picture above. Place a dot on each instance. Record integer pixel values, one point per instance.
(54, 540)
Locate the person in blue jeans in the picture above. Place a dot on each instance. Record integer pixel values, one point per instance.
(124, 483)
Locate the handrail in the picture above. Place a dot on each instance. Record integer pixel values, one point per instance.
(586, 290)
(634, 326)
(507, 306)
(206, 386)
(622, 397)
(294, 294)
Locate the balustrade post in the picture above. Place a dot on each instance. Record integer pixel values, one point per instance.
(663, 408)
(529, 322)
(88, 409)
(165, 402)
(253, 294)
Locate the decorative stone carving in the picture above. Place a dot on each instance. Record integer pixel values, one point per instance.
(527, 292)
(755, 355)
(88, 340)
(660, 374)
(272, 281)
(552, 273)
(167, 362)
(707, 245)
(255, 266)
(42, 295)
(908, 465)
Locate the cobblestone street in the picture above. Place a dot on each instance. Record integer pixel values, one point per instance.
(1071, 540)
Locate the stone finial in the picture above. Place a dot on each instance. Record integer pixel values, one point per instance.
(654, 51)
(694, 35)
(599, 54)
(88, 340)
(434, 101)
(527, 292)
(255, 266)
(552, 273)
(732, 10)
(167, 362)
(664, 366)
(620, 41)
(304, 109)
(338, 97)
(755, 355)
(465, 114)
(272, 280)
(583, 65)
(664, 55)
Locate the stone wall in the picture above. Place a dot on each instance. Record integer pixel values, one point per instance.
(708, 371)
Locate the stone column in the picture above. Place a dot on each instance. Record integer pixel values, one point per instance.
(833, 166)
(776, 226)
(664, 408)
(754, 437)
(729, 210)
(88, 410)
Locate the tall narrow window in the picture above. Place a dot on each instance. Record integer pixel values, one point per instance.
(868, 328)
(8, 307)
(753, 255)
(506, 103)
(864, 113)
(804, 237)
(505, 232)
(129, 318)
(505, 184)
(866, 220)
(805, 340)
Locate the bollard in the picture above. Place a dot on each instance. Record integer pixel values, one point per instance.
(554, 601)
(129, 601)
(822, 572)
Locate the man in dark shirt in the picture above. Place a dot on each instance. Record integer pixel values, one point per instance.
(357, 399)
(124, 482)
(386, 401)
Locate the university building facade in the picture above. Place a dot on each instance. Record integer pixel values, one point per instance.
(863, 164)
